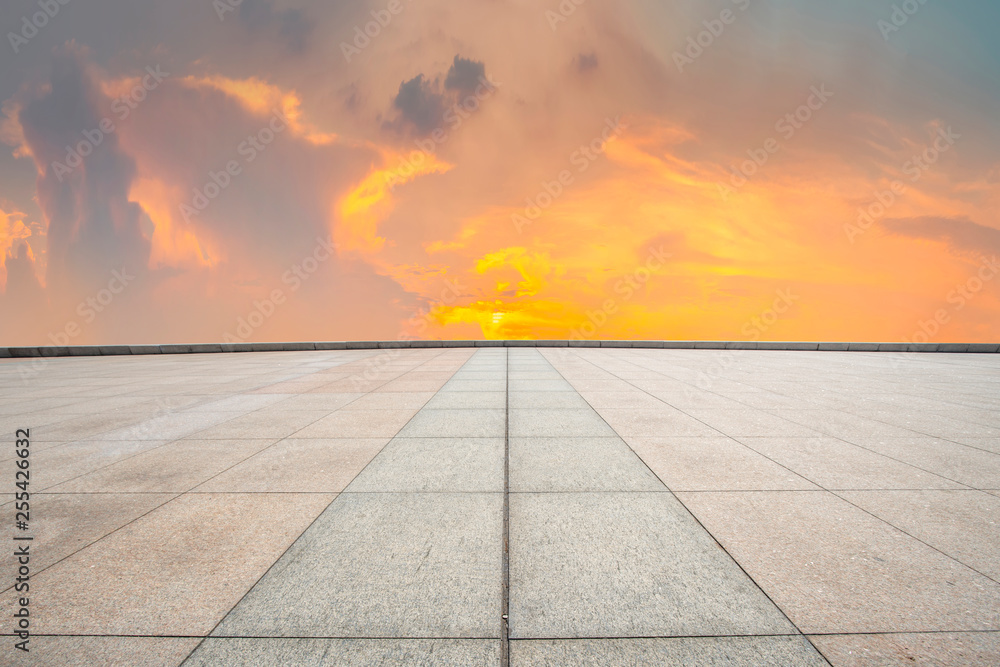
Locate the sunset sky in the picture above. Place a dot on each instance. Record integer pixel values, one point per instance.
(199, 171)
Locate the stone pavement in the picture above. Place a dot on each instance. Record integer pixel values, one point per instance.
(689, 507)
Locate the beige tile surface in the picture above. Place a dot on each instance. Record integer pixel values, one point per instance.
(834, 568)
(359, 424)
(176, 571)
(969, 649)
(325, 402)
(172, 468)
(415, 548)
(59, 464)
(655, 652)
(966, 465)
(963, 524)
(713, 464)
(91, 651)
(835, 464)
(299, 464)
(62, 524)
(664, 422)
(749, 422)
(270, 423)
(391, 400)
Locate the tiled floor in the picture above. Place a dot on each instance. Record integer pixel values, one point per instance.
(621, 507)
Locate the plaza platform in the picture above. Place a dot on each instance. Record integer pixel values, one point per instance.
(507, 505)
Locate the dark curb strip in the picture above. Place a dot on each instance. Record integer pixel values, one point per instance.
(111, 350)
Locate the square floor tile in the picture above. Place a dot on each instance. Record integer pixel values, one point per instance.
(399, 400)
(834, 568)
(534, 400)
(385, 565)
(558, 423)
(166, 566)
(456, 424)
(750, 422)
(624, 565)
(577, 464)
(262, 424)
(90, 651)
(662, 423)
(963, 524)
(173, 468)
(472, 400)
(55, 465)
(353, 652)
(713, 464)
(673, 651)
(358, 424)
(299, 465)
(65, 523)
(835, 464)
(965, 465)
(952, 649)
(434, 465)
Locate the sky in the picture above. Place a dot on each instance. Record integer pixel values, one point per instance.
(267, 170)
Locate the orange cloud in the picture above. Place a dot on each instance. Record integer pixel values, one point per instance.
(649, 249)
(258, 97)
(12, 231)
(174, 243)
(639, 241)
(359, 212)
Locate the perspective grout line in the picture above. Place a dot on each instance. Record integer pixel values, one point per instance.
(505, 566)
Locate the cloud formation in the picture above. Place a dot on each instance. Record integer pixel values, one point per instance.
(290, 27)
(578, 193)
(585, 62)
(425, 105)
(961, 234)
(465, 75)
(93, 226)
(420, 103)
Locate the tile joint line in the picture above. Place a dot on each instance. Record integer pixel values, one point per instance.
(691, 512)
(505, 564)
